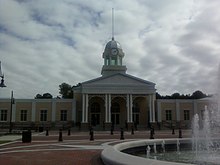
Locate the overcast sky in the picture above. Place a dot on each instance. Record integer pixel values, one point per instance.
(43, 43)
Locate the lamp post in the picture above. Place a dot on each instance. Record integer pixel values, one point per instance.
(10, 121)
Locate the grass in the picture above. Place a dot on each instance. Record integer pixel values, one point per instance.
(5, 141)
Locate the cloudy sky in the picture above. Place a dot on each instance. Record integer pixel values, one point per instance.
(43, 43)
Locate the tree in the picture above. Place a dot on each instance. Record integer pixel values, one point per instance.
(198, 95)
(175, 96)
(66, 90)
(38, 96)
(158, 96)
(44, 96)
(47, 96)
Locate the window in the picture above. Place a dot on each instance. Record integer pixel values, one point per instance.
(23, 115)
(168, 115)
(3, 115)
(43, 115)
(63, 115)
(136, 113)
(186, 115)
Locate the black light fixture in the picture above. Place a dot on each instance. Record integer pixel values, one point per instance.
(2, 84)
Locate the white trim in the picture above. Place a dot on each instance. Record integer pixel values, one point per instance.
(53, 111)
(106, 108)
(153, 108)
(86, 114)
(128, 107)
(83, 108)
(177, 111)
(33, 111)
(74, 110)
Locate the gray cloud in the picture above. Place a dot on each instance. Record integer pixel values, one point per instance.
(174, 44)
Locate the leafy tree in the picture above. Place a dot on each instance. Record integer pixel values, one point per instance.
(47, 96)
(44, 96)
(38, 96)
(66, 90)
(158, 96)
(175, 96)
(198, 95)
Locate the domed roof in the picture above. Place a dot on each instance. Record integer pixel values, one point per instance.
(113, 44)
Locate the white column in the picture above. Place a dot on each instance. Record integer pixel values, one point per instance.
(86, 108)
(127, 105)
(106, 108)
(53, 114)
(83, 108)
(33, 111)
(150, 108)
(153, 108)
(177, 111)
(109, 108)
(74, 110)
(131, 104)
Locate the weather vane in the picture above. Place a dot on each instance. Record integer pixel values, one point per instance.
(112, 23)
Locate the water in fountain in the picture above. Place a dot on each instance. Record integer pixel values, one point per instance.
(148, 151)
(178, 146)
(155, 148)
(206, 131)
(163, 146)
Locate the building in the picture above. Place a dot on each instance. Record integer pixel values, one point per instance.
(113, 99)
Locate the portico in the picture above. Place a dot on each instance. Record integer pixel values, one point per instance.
(109, 114)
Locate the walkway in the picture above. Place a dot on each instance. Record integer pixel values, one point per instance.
(75, 149)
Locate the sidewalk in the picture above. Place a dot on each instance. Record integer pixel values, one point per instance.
(75, 149)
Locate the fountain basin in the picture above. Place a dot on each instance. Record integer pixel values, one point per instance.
(114, 155)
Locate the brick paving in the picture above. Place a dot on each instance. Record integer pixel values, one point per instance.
(74, 150)
(80, 157)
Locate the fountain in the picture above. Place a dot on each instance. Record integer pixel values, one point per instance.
(205, 140)
(148, 151)
(155, 148)
(205, 143)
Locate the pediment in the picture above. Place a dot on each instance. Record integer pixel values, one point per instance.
(118, 79)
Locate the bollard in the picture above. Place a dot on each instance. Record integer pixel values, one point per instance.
(180, 133)
(60, 136)
(91, 134)
(47, 132)
(112, 129)
(122, 134)
(69, 132)
(151, 134)
(153, 130)
(173, 131)
(132, 130)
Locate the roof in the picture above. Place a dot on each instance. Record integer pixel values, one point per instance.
(116, 83)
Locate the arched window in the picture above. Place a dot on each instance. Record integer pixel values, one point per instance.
(95, 107)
